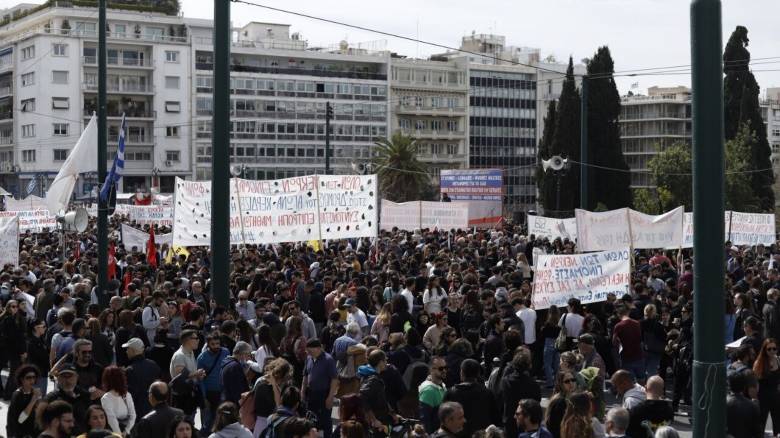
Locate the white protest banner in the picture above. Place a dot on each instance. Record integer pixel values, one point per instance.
(444, 215)
(34, 221)
(687, 239)
(151, 215)
(404, 215)
(552, 228)
(661, 231)
(192, 213)
(587, 277)
(132, 237)
(601, 231)
(9, 242)
(347, 206)
(752, 228)
(31, 202)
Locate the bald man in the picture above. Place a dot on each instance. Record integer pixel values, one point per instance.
(161, 415)
(654, 409)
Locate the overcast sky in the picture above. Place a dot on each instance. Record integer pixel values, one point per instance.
(640, 33)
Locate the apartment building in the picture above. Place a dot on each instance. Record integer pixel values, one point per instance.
(649, 124)
(770, 111)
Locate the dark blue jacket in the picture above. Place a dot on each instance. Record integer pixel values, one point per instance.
(233, 380)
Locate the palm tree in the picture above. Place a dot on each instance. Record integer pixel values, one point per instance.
(401, 176)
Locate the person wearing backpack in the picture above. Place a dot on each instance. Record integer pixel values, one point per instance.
(291, 399)
(66, 317)
(210, 359)
(268, 391)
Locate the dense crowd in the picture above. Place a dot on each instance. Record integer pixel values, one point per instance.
(411, 334)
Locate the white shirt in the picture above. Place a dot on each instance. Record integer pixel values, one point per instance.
(432, 302)
(528, 316)
(406, 293)
(117, 408)
(573, 324)
(247, 310)
(359, 317)
(150, 319)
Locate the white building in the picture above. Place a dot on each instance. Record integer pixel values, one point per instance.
(770, 111)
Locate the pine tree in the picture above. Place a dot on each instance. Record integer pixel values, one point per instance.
(740, 95)
(545, 181)
(566, 143)
(609, 187)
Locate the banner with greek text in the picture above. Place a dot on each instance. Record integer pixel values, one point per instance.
(752, 228)
(660, 231)
(151, 215)
(192, 213)
(9, 242)
(600, 231)
(687, 240)
(444, 215)
(30, 203)
(132, 237)
(587, 277)
(347, 206)
(34, 221)
(404, 215)
(552, 228)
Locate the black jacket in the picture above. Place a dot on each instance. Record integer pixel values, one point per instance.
(771, 320)
(515, 386)
(156, 422)
(743, 418)
(372, 391)
(38, 354)
(141, 373)
(656, 412)
(479, 405)
(79, 401)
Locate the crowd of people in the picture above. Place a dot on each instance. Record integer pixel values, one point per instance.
(425, 333)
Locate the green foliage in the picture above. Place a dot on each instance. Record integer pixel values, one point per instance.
(740, 96)
(566, 143)
(739, 194)
(646, 201)
(545, 181)
(610, 187)
(401, 176)
(671, 170)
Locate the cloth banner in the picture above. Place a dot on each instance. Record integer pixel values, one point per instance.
(285, 210)
(404, 215)
(416, 215)
(132, 237)
(687, 239)
(552, 228)
(587, 277)
(9, 242)
(601, 231)
(33, 221)
(661, 231)
(31, 202)
(151, 215)
(752, 228)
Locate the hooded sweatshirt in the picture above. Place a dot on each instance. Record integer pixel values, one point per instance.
(234, 430)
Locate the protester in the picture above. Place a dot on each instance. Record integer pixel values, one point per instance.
(57, 420)
(227, 425)
(160, 417)
(20, 421)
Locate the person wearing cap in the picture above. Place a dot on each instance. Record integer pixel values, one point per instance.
(67, 391)
(141, 372)
(354, 314)
(320, 384)
(233, 373)
(591, 358)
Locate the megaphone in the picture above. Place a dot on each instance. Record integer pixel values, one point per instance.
(555, 163)
(75, 220)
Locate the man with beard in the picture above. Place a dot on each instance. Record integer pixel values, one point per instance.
(57, 419)
(76, 398)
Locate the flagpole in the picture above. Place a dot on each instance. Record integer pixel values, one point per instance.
(102, 224)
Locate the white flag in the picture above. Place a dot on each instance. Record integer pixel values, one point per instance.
(9, 243)
(80, 160)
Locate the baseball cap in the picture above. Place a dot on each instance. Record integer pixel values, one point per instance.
(134, 343)
(586, 338)
(349, 302)
(67, 368)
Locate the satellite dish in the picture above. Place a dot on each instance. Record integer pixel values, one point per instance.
(555, 163)
(76, 220)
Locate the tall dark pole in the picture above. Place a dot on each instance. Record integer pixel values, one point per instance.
(328, 116)
(709, 374)
(584, 145)
(220, 162)
(102, 225)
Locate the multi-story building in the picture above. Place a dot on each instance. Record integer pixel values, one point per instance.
(649, 124)
(279, 91)
(429, 103)
(48, 92)
(770, 111)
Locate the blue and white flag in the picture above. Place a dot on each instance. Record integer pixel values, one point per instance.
(118, 168)
(32, 184)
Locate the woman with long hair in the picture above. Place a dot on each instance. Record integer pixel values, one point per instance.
(743, 309)
(102, 352)
(433, 296)
(117, 402)
(432, 336)
(12, 331)
(96, 420)
(293, 346)
(228, 423)
(182, 427)
(577, 419)
(175, 322)
(381, 326)
(107, 320)
(565, 386)
(549, 332)
(247, 333)
(446, 339)
(20, 421)
(268, 391)
(767, 370)
(266, 347)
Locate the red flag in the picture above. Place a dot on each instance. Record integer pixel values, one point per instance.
(151, 251)
(111, 261)
(77, 251)
(127, 280)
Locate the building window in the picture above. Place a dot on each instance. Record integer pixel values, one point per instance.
(28, 53)
(28, 131)
(28, 156)
(452, 149)
(60, 129)
(452, 125)
(59, 77)
(171, 131)
(172, 82)
(172, 156)
(171, 56)
(58, 49)
(28, 79)
(28, 105)
(776, 133)
(120, 30)
(172, 107)
(60, 102)
(60, 154)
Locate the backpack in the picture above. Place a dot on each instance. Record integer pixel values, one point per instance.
(270, 429)
(66, 345)
(494, 380)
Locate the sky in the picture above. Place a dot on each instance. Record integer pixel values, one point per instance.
(640, 33)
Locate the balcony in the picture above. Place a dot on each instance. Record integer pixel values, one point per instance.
(6, 115)
(6, 91)
(114, 61)
(120, 88)
(5, 141)
(430, 110)
(129, 113)
(434, 134)
(297, 71)
(133, 139)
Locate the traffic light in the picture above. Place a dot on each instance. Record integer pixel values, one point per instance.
(328, 110)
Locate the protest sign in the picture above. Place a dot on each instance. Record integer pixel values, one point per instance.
(132, 237)
(687, 238)
(552, 228)
(587, 277)
(600, 231)
(9, 242)
(151, 215)
(347, 206)
(34, 221)
(192, 213)
(444, 215)
(31, 202)
(661, 231)
(752, 228)
(483, 189)
(404, 216)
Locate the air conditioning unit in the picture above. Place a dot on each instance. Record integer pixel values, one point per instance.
(168, 163)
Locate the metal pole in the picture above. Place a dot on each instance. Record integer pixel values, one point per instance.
(328, 115)
(558, 194)
(709, 374)
(220, 183)
(584, 145)
(102, 223)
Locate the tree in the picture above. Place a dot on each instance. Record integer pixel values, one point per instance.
(740, 95)
(610, 187)
(545, 181)
(566, 141)
(739, 193)
(401, 176)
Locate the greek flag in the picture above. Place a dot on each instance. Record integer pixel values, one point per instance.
(118, 167)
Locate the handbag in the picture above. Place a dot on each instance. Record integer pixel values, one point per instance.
(562, 341)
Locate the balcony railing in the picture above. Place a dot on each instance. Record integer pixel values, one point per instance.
(6, 114)
(119, 88)
(297, 71)
(440, 109)
(86, 33)
(6, 140)
(120, 61)
(129, 113)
